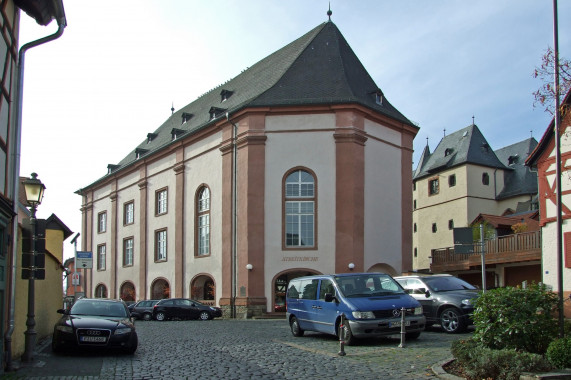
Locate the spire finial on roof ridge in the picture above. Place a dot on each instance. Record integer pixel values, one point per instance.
(172, 109)
(329, 13)
(473, 120)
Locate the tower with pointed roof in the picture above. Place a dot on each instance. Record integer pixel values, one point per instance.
(463, 178)
(298, 165)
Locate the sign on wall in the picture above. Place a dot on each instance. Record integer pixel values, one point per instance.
(84, 260)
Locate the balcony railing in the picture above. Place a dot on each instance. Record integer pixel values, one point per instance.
(504, 249)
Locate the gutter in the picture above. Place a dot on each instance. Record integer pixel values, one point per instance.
(15, 170)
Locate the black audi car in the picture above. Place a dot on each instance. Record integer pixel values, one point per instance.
(184, 308)
(95, 323)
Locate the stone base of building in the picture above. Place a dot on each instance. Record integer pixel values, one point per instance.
(243, 307)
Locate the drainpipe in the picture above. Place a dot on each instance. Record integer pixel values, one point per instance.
(15, 169)
(234, 216)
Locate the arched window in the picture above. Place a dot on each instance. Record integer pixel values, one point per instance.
(300, 206)
(100, 291)
(203, 222)
(128, 292)
(160, 289)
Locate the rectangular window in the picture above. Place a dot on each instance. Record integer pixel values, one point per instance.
(451, 224)
(567, 249)
(129, 213)
(299, 224)
(452, 180)
(101, 256)
(128, 252)
(102, 222)
(433, 187)
(161, 202)
(204, 235)
(434, 228)
(161, 245)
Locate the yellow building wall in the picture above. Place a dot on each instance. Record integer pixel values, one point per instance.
(48, 294)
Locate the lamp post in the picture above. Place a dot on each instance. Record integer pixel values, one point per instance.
(34, 194)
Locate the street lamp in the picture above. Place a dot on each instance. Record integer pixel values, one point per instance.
(34, 194)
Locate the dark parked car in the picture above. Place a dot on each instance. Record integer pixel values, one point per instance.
(95, 323)
(143, 309)
(184, 308)
(445, 299)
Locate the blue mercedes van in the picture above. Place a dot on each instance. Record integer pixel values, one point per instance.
(370, 302)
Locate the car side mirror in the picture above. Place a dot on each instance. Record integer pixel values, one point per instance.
(427, 293)
(62, 311)
(329, 297)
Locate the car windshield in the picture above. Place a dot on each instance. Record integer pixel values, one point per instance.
(99, 308)
(368, 285)
(445, 284)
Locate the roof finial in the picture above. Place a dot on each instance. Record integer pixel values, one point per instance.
(426, 140)
(472, 119)
(172, 108)
(444, 132)
(329, 13)
(531, 133)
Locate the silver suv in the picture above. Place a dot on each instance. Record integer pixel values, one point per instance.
(445, 299)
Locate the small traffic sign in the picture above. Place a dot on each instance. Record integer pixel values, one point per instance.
(83, 260)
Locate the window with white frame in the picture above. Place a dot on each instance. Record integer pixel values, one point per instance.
(128, 246)
(101, 256)
(203, 222)
(299, 210)
(161, 201)
(102, 222)
(161, 245)
(129, 213)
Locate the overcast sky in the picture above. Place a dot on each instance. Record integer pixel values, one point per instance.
(92, 96)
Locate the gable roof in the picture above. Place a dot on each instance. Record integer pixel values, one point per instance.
(531, 218)
(548, 134)
(319, 68)
(466, 146)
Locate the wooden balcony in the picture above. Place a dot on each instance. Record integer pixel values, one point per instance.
(505, 249)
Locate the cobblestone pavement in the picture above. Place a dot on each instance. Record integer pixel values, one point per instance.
(245, 349)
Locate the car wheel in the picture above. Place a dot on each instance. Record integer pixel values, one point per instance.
(55, 348)
(347, 334)
(451, 321)
(295, 329)
(204, 316)
(147, 317)
(160, 316)
(412, 335)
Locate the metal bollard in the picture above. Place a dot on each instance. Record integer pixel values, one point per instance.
(342, 336)
(402, 327)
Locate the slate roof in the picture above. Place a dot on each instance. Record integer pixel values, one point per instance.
(319, 68)
(466, 146)
(521, 180)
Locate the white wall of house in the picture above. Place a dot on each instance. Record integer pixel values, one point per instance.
(383, 196)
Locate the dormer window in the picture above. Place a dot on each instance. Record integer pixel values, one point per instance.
(513, 160)
(485, 148)
(151, 137)
(111, 168)
(448, 152)
(186, 117)
(379, 97)
(225, 95)
(140, 153)
(215, 112)
(176, 133)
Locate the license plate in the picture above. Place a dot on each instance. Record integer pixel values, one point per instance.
(93, 339)
(398, 324)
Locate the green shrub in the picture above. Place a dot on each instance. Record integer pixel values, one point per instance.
(513, 318)
(480, 362)
(559, 352)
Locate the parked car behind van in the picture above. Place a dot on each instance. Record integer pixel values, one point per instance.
(445, 299)
(143, 309)
(370, 302)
